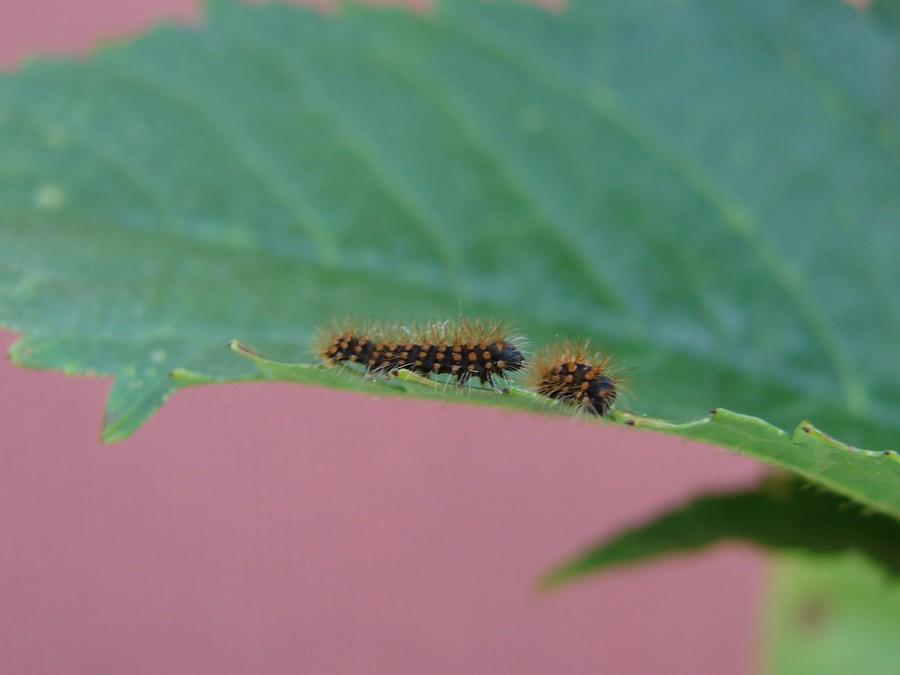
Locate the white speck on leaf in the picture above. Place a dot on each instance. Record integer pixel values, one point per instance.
(49, 196)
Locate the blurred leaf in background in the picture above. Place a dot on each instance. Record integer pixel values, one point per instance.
(831, 616)
(780, 514)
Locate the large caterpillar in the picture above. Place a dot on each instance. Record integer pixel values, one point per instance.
(569, 372)
(461, 348)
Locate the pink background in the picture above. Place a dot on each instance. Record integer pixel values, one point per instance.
(250, 529)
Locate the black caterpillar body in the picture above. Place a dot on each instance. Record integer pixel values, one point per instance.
(463, 349)
(564, 372)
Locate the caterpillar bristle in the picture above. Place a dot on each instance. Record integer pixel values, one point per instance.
(462, 348)
(569, 372)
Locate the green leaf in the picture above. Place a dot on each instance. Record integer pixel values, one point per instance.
(869, 477)
(830, 617)
(780, 514)
(708, 190)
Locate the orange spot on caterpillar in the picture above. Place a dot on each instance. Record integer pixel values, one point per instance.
(569, 372)
(436, 348)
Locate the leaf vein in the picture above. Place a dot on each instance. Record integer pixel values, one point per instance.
(734, 215)
(422, 216)
(533, 192)
(242, 146)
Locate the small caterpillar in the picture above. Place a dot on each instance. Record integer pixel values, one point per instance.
(570, 373)
(463, 348)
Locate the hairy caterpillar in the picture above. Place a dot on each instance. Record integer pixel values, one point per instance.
(569, 372)
(461, 348)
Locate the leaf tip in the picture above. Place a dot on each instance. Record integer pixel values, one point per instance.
(185, 377)
(113, 430)
(18, 352)
(550, 581)
(212, 8)
(242, 349)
